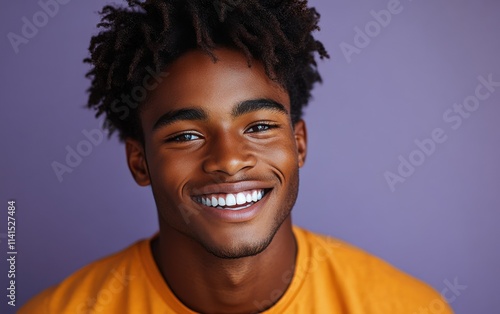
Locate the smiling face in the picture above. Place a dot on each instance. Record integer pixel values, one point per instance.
(220, 153)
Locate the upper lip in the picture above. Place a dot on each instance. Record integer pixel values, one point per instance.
(227, 188)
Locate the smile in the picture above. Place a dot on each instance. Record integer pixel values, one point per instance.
(231, 201)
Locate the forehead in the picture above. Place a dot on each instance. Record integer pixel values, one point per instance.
(195, 79)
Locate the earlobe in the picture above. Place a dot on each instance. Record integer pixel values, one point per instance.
(300, 133)
(136, 160)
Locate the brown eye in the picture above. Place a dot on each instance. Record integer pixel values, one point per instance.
(261, 127)
(185, 137)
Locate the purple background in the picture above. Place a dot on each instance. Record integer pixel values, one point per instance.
(440, 224)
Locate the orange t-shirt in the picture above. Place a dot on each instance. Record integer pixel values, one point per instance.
(331, 276)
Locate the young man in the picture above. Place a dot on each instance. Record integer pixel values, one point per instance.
(219, 138)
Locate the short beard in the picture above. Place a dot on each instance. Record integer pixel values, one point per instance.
(259, 247)
(248, 250)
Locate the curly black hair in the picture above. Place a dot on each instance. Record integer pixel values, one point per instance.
(147, 36)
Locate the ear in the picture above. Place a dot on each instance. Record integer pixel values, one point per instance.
(136, 160)
(300, 133)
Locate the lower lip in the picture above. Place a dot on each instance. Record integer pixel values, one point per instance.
(234, 216)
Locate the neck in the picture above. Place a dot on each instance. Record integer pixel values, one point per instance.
(208, 284)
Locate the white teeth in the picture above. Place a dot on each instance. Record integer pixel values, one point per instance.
(240, 199)
(254, 196)
(230, 200)
(259, 195)
(222, 201)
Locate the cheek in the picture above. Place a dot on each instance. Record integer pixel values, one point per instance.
(169, 172)
(281, 155)
(169, 175)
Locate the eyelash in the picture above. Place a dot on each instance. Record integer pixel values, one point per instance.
(267, 125)
(178, 138)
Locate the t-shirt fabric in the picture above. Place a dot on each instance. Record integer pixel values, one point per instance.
(330, 276)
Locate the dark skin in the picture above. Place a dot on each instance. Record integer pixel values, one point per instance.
(217, 129)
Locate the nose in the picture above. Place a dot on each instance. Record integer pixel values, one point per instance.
(228, 154)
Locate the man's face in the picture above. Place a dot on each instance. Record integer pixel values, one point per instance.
(221, 153)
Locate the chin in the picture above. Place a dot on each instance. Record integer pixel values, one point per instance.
(239, 250)
(242, 241)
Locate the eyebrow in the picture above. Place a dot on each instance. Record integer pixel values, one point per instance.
(189, 114)
(252, 105)
(244, 107)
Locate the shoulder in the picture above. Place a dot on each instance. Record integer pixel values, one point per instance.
(91, 285)
(366, 279)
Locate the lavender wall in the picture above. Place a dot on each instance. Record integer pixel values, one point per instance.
(380, 94)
